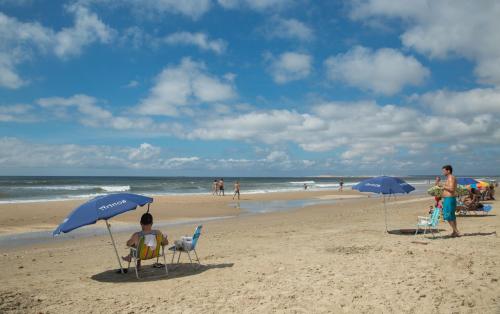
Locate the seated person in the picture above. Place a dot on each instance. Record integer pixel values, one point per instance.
(147, 228)
(471, 201)
(438, 202)
(431, 210)
(489, 193)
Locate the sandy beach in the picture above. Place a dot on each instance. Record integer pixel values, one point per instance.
(328, 257)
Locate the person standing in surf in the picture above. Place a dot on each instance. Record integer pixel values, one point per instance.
(215, 185)
(341, 184)
(237, 189)
(221, 187)
(449, 199)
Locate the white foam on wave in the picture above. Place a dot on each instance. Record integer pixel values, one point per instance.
(420, 182)
(115, 188)
(60, 187)
(328, 185)
(302, 182)
(51, 199)
(107, 188)
(277, 190)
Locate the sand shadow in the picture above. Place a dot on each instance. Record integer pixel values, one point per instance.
(149, 273)
(411, 232)
(474, 215)
(468, 234)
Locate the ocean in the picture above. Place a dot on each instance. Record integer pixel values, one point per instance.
(34, 189)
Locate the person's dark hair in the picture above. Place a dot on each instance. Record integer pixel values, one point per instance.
(448, 168)
(147, 219)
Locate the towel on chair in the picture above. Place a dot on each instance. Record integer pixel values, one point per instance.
(150, 240)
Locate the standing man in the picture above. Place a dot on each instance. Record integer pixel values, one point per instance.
(449, 199)
(215, 184)
(221, 187)
(237, 189)
(341, 184)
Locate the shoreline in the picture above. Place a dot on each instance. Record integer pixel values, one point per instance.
(87, 197)
(18, 218)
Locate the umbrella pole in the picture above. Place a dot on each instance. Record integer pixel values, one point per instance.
(385, 212)
(114, 245)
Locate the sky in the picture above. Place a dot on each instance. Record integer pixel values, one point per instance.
(249, 87)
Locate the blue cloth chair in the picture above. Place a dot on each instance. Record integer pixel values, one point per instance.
(187, 245)
(428, 222)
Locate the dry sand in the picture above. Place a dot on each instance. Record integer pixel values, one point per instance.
(326, 258)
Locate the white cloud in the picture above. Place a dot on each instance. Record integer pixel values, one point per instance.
(279, 156)
(361, 134)
(458, 148)
(155, 8)
(132, 84)
(16, 113)
(269, 127)
(145, 151)
(136, 38)
(87, 29)
(364, 133)
(21, 41)
(199, 40)
(289, 66)
(473, 101)
(178, 162)
(18, 40)
(289, 29)
(16, 2)
(179, 87)
(21, 154)
(90, 114)
(8, 76)
(443, 28)
(258, 5)
(385, 71)
(192, 8)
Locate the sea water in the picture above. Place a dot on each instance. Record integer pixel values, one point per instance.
(34, 189)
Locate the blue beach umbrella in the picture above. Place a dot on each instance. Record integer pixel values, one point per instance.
(386, 186)
(466, 181)
(102, 208)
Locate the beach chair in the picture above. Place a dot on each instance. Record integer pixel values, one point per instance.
(486, 209)
(188, 245)
(428, 222)
(150, 247)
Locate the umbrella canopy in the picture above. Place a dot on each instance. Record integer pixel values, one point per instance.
(466, 181)
(101, 207)
(479, 185)
(386, 186)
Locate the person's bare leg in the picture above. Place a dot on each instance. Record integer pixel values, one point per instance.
(127, 258)
(456, 228)
(453, 225)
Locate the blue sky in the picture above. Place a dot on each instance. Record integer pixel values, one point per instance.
(239, 87)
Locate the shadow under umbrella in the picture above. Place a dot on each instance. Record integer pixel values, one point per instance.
(155, 274)
(467, 234)
(386, 186)
(411, 231)
(480, 215)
